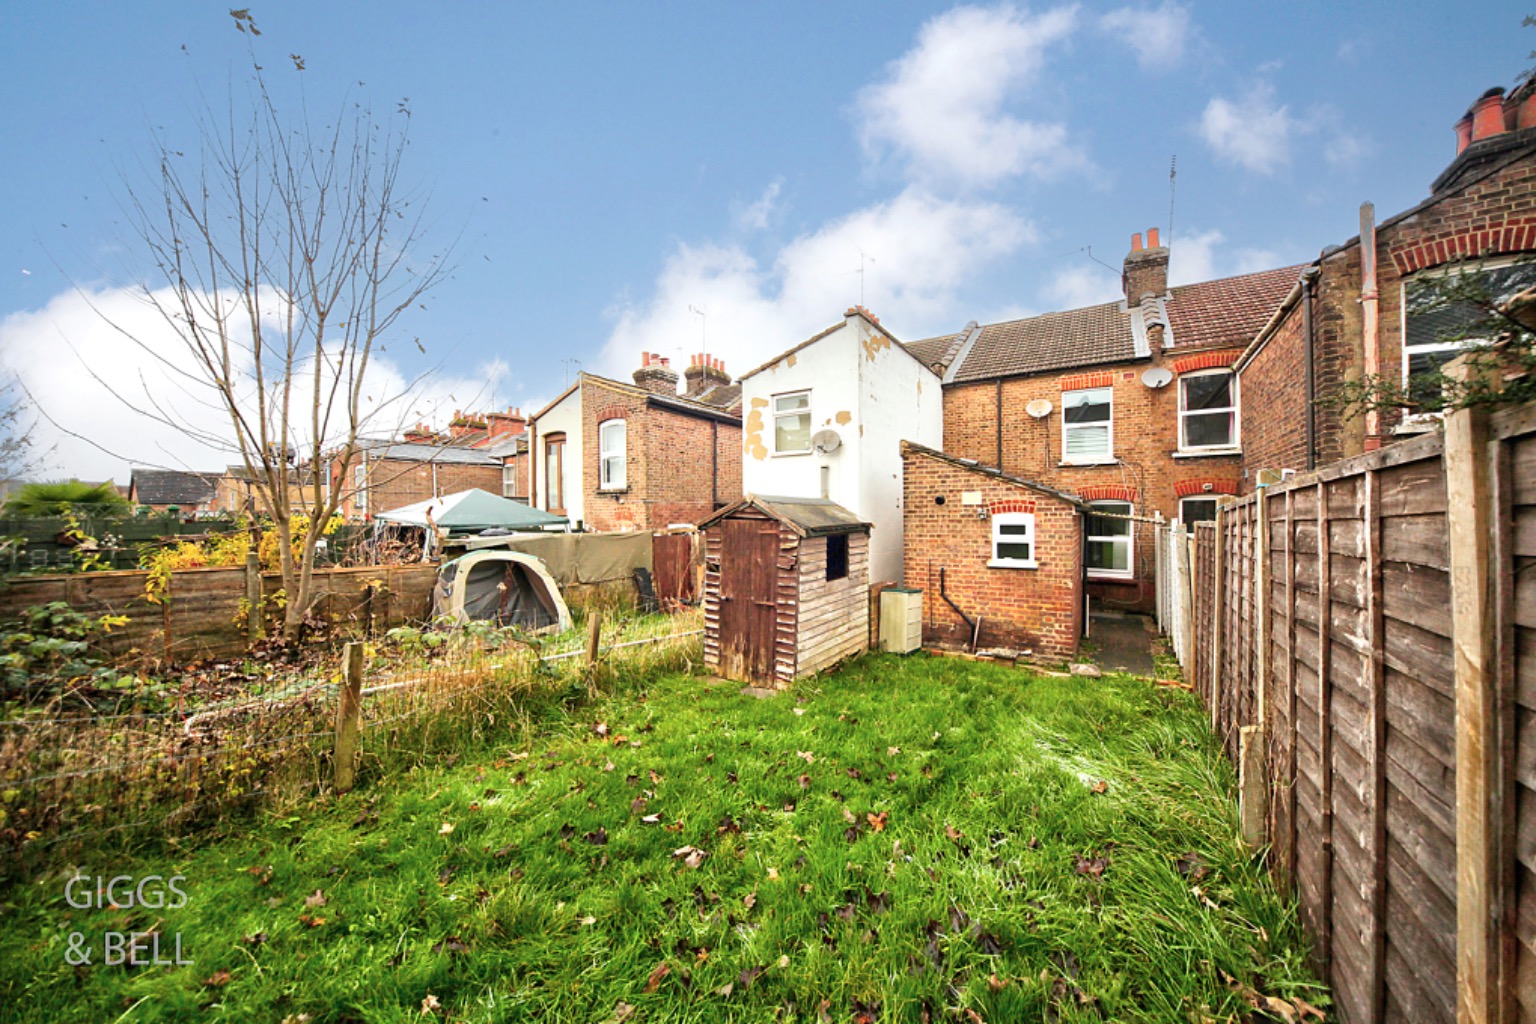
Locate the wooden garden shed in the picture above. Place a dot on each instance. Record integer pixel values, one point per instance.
(786, 588)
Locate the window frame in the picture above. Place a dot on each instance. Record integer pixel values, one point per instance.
(1234, 440)
(837, 566)
(1129, 540)
(1108, 457)
(360, 485)
(509, 481)
(1025, 519)
(1215, 501)
(554, 445)
(1406, 351)
(777, 414)
(605, 481)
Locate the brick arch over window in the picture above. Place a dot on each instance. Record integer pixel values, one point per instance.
(996, 508)
(1205, 361)
(1514, 234)
(1204, 485)
(612, 412)
(1108, 492)
(1084, 381)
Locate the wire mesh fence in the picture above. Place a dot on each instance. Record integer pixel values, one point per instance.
(68, 780)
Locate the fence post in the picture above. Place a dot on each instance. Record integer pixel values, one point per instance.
(1478, 874)
(253, 595)
(348, 711)
(1186, 569)
(1252, 785)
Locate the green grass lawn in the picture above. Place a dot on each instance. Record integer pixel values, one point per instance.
(907, 839)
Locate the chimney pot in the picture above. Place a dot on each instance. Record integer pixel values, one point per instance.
(1136, 242)
(1463, 132)
(1488, 115)
(1152, 242)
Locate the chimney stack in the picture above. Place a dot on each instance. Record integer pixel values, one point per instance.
(656, 374)
(420, 434)
(505, 424)
(1146, 270)
(704, 372)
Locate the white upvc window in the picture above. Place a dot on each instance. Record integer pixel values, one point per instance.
(360, 485)
(509, 480)
(1197, 510)
(1087, 426)
(612, 436)
(1208, 410)
(792, 423)
(1111, 541)
(1439, 324)
(1013, 541)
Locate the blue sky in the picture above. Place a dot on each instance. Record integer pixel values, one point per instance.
(605, 166)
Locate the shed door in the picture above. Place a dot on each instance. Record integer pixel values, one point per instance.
(749, 559)
(672, 557)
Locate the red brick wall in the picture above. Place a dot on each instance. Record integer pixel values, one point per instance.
(1038, 609)
(1145, 436)
(670, 475)
(394, 483)
(1496, 216)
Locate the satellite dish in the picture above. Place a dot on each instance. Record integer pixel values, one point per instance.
(1157, 377)
(1038, 408)
(826, 441)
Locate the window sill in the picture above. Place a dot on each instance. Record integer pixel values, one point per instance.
(1065, 464)
(1420, 423)
(1111, 577)
(613, 490)
(1011, 564)
(1207, 453)
(788, 455)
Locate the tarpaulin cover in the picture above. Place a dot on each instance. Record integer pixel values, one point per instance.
(579, 557)
(470, 512)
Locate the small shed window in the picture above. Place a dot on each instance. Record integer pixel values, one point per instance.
(612, 436)
(837, 556)
(792, 423)
(1013, 541)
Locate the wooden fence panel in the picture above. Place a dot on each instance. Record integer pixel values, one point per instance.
(1522, 649)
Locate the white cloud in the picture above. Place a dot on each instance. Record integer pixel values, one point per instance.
(1158, 35)
(1200, 257)
(1254, 131)
(922, 249)
(114, 386)
(942, 108)
(759, 214)
(1079, 286)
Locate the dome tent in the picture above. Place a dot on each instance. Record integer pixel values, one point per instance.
(508, 588)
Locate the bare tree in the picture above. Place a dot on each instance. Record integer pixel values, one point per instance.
(284, 253)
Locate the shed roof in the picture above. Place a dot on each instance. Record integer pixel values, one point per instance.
(172, 486)
(808, 517)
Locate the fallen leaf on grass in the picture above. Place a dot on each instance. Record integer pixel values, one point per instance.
(749, 975)
(892, 751)
(749, 900)
(805, 781)
(588, 921)
(598, 838)
(311, 922)
(660, 971)
(809, 757)
(622, 1013)
(601, 728)
(1191, 866)
(315, 899)
(1092, 866)
(258, 939)
(726, 989)
(996, 984)
(691, 856)
(1100, 787)
(429, 1004)
(652, 819)
(445, 829)
(799, 711)
(452, 945)
(877, 821)
(217, 980)
(773, 874)
(850, 817)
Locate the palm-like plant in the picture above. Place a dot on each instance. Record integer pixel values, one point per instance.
(53, 499)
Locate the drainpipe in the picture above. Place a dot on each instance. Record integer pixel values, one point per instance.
(1309, 383)
(714, 465)
(956, 607)
(434, 480)
(1370, 317)
(533, 464)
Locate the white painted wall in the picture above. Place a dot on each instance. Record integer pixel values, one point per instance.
(565, 416)
(875, 395)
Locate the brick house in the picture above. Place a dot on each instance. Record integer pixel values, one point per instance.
(1130, 405)
(474, 452)
(991, 548)
(237, 491)
(615, 456)
(1367, 307)
(826, 418)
